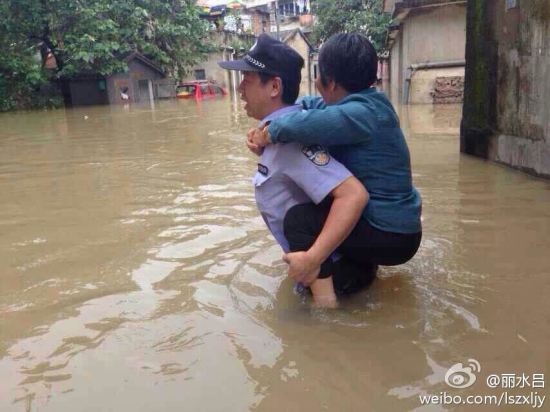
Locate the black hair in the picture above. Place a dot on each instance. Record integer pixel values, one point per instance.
(350, 60)
(291, 89)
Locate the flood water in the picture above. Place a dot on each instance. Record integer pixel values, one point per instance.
(137, 275)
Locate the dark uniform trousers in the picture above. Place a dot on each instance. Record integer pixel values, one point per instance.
(363, 250)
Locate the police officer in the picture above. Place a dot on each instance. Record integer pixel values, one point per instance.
(361, 129)
(292, 174)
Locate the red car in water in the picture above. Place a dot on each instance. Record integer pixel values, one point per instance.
(198, 89)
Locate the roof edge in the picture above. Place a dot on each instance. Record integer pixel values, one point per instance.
(299, 31)
(136, 55)
(402, 8)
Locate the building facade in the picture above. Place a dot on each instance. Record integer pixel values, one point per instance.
(258, 16)
(144, 81)
(231, 46)
(426, 50)
(506, 116)
(299, 42)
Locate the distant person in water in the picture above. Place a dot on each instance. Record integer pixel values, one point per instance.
(360, 128)
(295, 174)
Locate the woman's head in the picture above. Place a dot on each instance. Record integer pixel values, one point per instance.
(349, 60)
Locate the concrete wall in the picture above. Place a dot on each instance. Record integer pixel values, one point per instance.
(429, 34)
(423, 83)
(434, 34)
(299, 44)
(396, 65)
(314, 73)
(212, 70)
(506, 110)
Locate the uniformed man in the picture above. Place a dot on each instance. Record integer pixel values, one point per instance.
(361, 129)
(292, 174)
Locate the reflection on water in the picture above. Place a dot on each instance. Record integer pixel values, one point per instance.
(137, 273)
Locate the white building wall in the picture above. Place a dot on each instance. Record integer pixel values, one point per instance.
(395, 67)
(431, 34)
(212, 70)
(435, 34)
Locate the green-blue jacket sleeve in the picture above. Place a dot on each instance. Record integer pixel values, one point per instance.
(334, 125)
(312, 102)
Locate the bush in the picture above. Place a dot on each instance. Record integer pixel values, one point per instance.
(24, 84)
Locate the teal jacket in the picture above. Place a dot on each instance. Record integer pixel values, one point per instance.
(362, 132)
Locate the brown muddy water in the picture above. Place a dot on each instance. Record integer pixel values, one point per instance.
(137, 275)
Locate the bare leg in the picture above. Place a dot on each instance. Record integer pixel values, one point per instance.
(323, 293)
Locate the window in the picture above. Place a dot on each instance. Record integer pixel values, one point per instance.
(185, 90)
(216, 89)
(200, 74)
(205, 89)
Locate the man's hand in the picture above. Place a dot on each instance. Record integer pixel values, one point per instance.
(303, 267)
(254, 148)
(259, 137)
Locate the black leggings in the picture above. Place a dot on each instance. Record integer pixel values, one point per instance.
(365, 247)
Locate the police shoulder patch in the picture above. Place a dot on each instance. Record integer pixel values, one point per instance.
(263, 169)
(317, 154)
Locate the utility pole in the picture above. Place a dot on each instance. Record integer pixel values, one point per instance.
(277, 18)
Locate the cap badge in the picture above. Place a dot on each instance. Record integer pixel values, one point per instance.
(254, 62)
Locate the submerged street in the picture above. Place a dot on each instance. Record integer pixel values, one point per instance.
(137, 274)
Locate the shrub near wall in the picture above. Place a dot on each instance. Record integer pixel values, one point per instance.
(25, 85)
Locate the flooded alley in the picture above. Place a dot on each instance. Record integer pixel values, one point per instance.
(137, 275)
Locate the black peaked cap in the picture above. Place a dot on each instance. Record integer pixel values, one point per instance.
(269, 56)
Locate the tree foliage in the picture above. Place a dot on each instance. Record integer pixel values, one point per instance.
(21, 70)
(92, 36)
(351, 16)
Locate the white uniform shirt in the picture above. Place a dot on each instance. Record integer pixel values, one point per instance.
(290, 174)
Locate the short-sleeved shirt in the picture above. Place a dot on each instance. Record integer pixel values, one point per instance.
(291, 174)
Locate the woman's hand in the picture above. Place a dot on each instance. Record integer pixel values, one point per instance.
(254, 148)
(260, 138)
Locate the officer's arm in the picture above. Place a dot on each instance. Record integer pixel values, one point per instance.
(350, 199)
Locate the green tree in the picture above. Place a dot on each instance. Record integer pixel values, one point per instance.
(351, 16)
(22, 74)
(91, 36)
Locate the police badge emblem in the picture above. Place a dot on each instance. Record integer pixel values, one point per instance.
(316, 154)
(263, 169)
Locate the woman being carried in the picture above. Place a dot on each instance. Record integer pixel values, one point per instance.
(360, 128)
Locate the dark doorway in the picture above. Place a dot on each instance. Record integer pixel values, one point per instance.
(144, 92)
